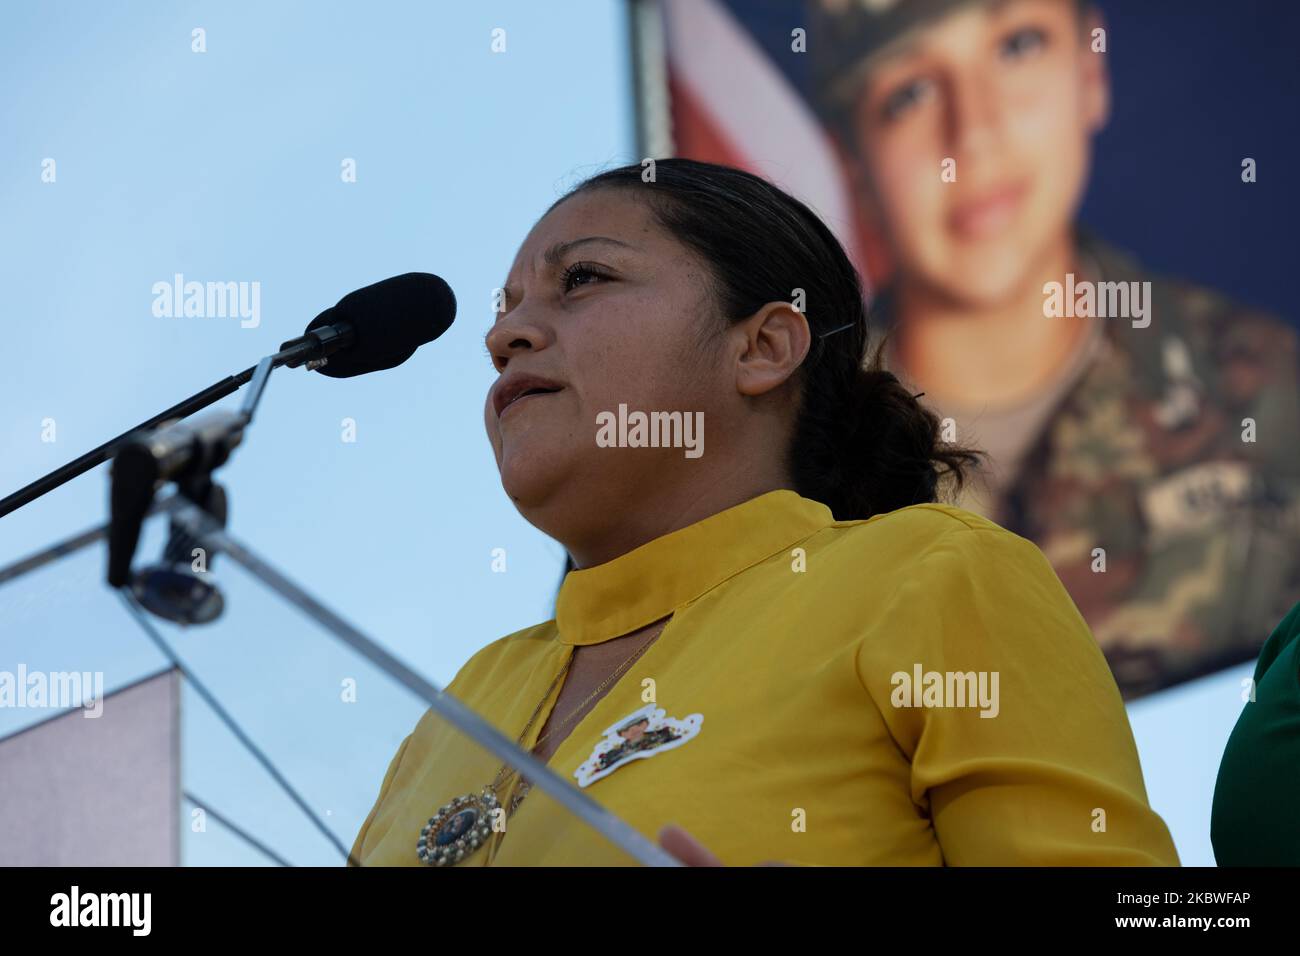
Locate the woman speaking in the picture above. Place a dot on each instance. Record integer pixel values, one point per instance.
(776, 645)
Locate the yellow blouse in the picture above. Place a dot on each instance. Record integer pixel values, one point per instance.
(912, 689)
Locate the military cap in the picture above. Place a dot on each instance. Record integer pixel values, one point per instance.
(846, 36)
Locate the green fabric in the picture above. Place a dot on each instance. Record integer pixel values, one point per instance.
(1256, 816)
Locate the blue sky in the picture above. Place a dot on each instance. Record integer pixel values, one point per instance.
(225, 166)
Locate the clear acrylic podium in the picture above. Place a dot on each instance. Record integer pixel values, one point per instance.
(259, 738)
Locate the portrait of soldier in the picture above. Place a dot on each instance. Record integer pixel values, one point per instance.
(636, 737)
(1140, 429)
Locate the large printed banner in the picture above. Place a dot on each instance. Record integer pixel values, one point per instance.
(1143, 430)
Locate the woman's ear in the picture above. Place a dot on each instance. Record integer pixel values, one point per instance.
(771, 345)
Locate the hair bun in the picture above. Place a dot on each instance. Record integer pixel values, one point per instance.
(870, 379)
(892, 443)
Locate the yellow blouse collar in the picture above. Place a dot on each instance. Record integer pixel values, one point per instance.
(649, 582)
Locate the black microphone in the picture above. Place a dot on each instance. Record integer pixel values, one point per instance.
(376, 327)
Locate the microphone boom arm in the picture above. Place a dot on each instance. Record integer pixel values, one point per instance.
(306, 349)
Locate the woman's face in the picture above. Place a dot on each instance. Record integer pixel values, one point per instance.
(1011, 93)
(604, 307)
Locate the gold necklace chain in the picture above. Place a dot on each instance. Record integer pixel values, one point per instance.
(499, 781)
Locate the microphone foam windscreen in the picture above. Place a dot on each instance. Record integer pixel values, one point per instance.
(390, 320)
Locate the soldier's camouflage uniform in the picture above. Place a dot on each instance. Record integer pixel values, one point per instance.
(1144, 457)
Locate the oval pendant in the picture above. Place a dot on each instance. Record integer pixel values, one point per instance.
(457, 829)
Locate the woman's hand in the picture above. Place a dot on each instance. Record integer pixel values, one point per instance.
(690, 851)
